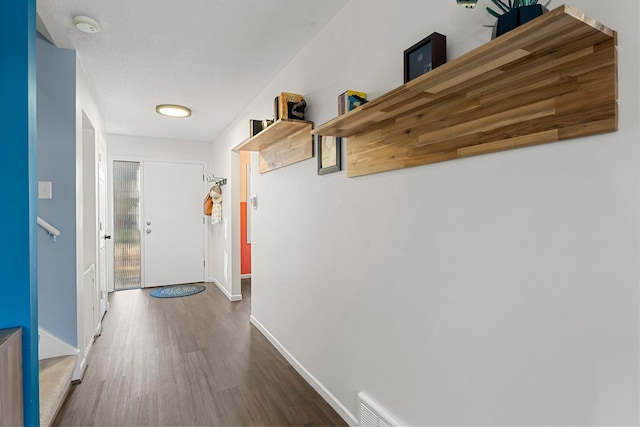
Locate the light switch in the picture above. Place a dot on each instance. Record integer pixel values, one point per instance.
(45, 190)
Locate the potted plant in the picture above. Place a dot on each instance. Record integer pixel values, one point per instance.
(514, 13)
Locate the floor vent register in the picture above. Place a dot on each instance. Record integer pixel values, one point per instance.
(371, 414)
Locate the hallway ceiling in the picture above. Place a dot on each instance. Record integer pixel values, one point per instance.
(212, 56)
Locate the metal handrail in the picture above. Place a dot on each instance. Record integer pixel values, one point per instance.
(50, 229)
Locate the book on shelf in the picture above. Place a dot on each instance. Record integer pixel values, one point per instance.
(289, 106)
(349, 100)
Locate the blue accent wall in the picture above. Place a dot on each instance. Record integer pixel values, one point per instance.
(57, 296)
(18, 255)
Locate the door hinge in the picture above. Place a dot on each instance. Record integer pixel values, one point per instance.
(204, 263)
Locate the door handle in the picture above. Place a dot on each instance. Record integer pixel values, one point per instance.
(107, 236)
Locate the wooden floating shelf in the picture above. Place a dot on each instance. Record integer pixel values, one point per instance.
(551, 79)
(283, 143)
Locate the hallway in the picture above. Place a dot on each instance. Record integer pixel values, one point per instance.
(193, 360)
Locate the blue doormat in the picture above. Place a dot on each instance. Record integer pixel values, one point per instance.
(176, 291)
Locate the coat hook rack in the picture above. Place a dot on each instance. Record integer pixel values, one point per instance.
(216, 180)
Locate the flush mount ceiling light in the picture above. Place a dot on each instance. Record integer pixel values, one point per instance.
(86, 24)
(469, 4)
(172, 110)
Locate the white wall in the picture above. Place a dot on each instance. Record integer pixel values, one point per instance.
(496, 290)
(158, 148)
(224, 238)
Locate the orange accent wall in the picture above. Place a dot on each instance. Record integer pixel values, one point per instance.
(245, 249)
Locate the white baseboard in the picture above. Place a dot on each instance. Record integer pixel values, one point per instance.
(98, 330)
(51, 346)
(245, 276)
(226, 292)
(82, 366)
(346, 415)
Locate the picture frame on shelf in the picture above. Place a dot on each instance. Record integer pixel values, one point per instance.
(329, 151)
(424, 56)
(255, 127)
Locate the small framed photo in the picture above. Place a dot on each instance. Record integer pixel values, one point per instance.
(329, 150)
(424, 56)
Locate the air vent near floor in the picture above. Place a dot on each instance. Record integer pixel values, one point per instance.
(370, 414)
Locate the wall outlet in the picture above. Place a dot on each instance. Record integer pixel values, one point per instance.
(45, 190)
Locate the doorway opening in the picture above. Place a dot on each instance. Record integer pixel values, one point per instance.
(245, 223)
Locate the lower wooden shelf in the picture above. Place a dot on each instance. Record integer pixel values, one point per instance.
(11, 403)
(283, 143)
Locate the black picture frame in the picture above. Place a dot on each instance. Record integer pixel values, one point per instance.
(424, 56)
(255, 127)
(329, 149)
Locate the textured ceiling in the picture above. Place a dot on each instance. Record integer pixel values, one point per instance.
(210, 55)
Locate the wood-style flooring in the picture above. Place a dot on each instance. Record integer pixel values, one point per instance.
(193, 360)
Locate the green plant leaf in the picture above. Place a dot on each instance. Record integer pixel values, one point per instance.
(505, 7)
(493, 12)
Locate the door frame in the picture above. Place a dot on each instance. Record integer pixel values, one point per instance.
(87, 206)
(141, 160)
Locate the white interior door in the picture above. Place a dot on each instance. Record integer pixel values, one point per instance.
(173, 226)
(102, 221)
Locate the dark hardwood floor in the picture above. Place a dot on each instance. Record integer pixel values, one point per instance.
(193, 360)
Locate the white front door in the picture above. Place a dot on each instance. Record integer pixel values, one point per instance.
(172, 223)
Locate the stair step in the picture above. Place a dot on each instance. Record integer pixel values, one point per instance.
(56, 374)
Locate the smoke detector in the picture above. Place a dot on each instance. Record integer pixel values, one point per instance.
(86, 24)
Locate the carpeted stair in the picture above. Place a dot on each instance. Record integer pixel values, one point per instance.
(56, 374)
